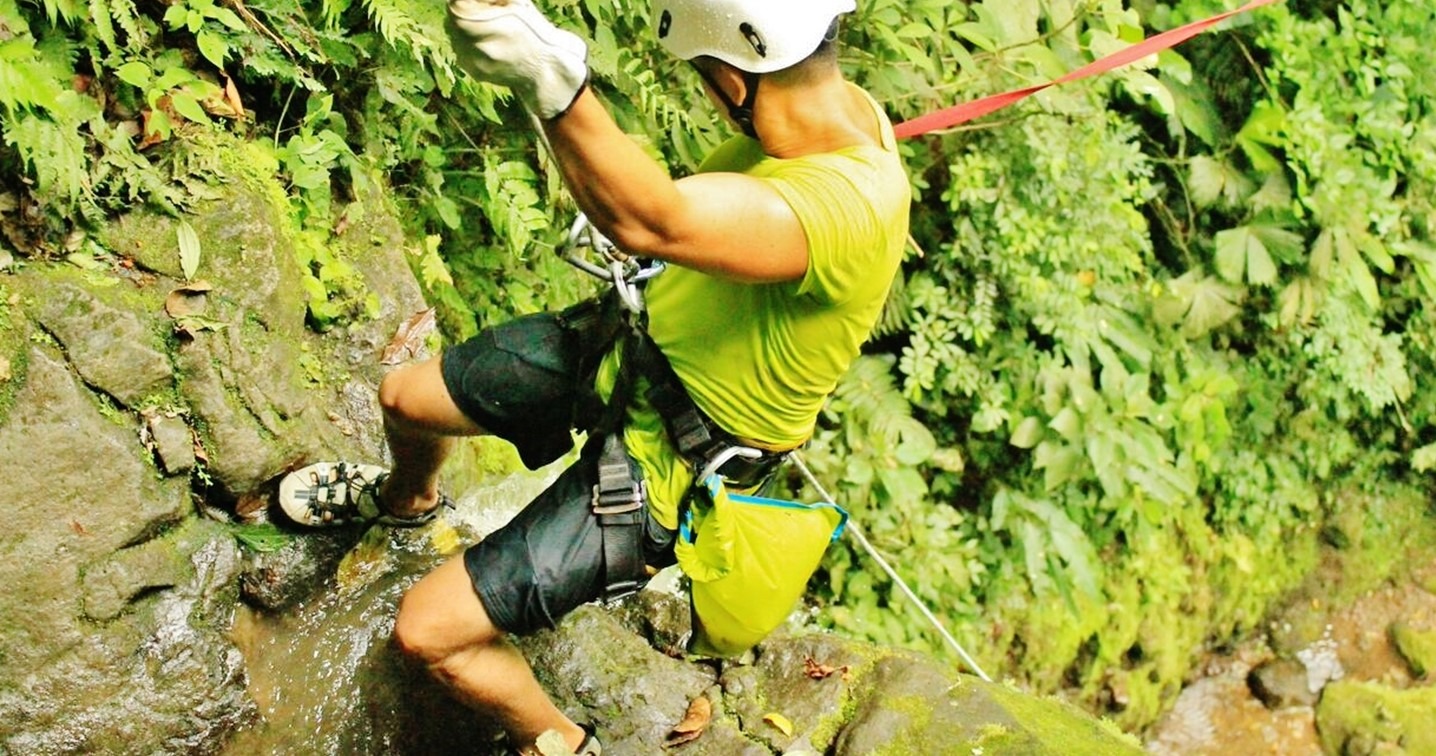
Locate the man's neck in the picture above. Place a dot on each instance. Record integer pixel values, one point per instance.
(815, 117)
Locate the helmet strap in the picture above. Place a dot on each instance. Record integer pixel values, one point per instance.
(741, 113)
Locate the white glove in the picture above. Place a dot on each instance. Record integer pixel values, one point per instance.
(509, 42)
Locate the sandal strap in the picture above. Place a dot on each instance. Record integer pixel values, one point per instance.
(342, 493)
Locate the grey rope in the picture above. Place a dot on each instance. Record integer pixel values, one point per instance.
(883, 563)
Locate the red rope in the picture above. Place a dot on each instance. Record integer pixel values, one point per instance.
(949, 117)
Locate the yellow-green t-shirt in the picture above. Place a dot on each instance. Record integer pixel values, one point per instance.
(760, 359)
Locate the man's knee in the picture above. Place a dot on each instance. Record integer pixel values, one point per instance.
(418, 634)
(441, 616)
(394, 392)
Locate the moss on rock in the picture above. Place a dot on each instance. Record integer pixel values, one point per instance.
(1365, 717)
(1417, 647)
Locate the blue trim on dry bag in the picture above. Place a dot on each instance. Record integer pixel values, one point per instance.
(685, 521)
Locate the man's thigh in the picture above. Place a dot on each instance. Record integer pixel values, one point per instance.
(519, 381)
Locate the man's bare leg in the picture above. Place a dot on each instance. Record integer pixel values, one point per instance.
(421, 422)
(443, 623)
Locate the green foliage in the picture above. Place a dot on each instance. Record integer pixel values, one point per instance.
(1161, 318)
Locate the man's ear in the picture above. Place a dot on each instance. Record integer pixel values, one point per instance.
(731, 79)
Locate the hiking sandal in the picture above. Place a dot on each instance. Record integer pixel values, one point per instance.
(330, 494)
(551, 743)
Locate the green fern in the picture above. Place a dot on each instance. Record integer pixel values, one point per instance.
(418, 28)
(56, 155)
(103, 25)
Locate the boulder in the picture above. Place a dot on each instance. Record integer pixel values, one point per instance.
(1367, 717)
(1417, 646)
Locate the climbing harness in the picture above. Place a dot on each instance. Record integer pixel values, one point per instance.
(619, 495)
(720, 460)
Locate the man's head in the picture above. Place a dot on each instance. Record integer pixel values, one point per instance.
(789, 39)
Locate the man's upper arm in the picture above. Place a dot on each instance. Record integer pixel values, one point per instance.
(732, 226)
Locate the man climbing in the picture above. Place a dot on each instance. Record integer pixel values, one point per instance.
(781, 250)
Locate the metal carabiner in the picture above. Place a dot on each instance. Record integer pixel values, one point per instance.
(722, 457)
(624, 272)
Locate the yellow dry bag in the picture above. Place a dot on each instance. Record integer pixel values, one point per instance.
(749, 559)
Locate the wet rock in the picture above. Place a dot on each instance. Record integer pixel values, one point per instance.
(113, 348)
(77, 489)
(297, 570)
(928, 708)
(245, 254)
(174, 444)
(1281, 683)
(806, 679)
(160, 672)
(111, 585)
(1365, 718)
(1417, 647)
(661, 616)
(598, 671)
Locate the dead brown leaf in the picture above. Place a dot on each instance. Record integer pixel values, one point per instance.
(250, 505)
(700, 713)
(819, 671)
(188, 299)
(409, 339)
(5, 373)
(152, 134)
(231, 93)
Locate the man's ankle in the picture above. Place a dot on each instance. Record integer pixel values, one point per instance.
(402, 505)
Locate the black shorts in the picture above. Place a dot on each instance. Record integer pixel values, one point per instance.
(520, 381)
(549, 559)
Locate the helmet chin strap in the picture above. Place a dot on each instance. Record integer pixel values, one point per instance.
(742, 114)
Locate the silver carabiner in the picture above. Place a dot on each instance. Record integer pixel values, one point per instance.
(722, 457)
(624, 272)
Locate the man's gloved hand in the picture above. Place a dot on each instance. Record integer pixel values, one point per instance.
(509, 42)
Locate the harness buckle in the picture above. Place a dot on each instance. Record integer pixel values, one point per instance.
(613, 502)
(616, 492)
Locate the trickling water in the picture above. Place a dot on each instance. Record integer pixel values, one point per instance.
(325, 674)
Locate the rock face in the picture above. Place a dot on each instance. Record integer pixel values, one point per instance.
(149, 609)
(118, 596)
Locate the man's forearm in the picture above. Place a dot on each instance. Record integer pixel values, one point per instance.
(625, 193)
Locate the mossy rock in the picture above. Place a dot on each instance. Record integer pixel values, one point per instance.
(1417, 647)
(14, 336)
(1364, 717)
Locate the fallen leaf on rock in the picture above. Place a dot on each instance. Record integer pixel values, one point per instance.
(819, 671)
(231, 95)
(409, 339)
(779, 721)
(700, 713)
(188, 299)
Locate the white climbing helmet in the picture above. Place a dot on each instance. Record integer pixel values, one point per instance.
(757, 36)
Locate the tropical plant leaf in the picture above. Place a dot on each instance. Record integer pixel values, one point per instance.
(189, 248)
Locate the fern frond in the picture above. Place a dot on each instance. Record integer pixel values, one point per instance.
(25, 81)
(57, 10)
(104, 27)
(418, 33)
(128, 19)
(55, 153)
